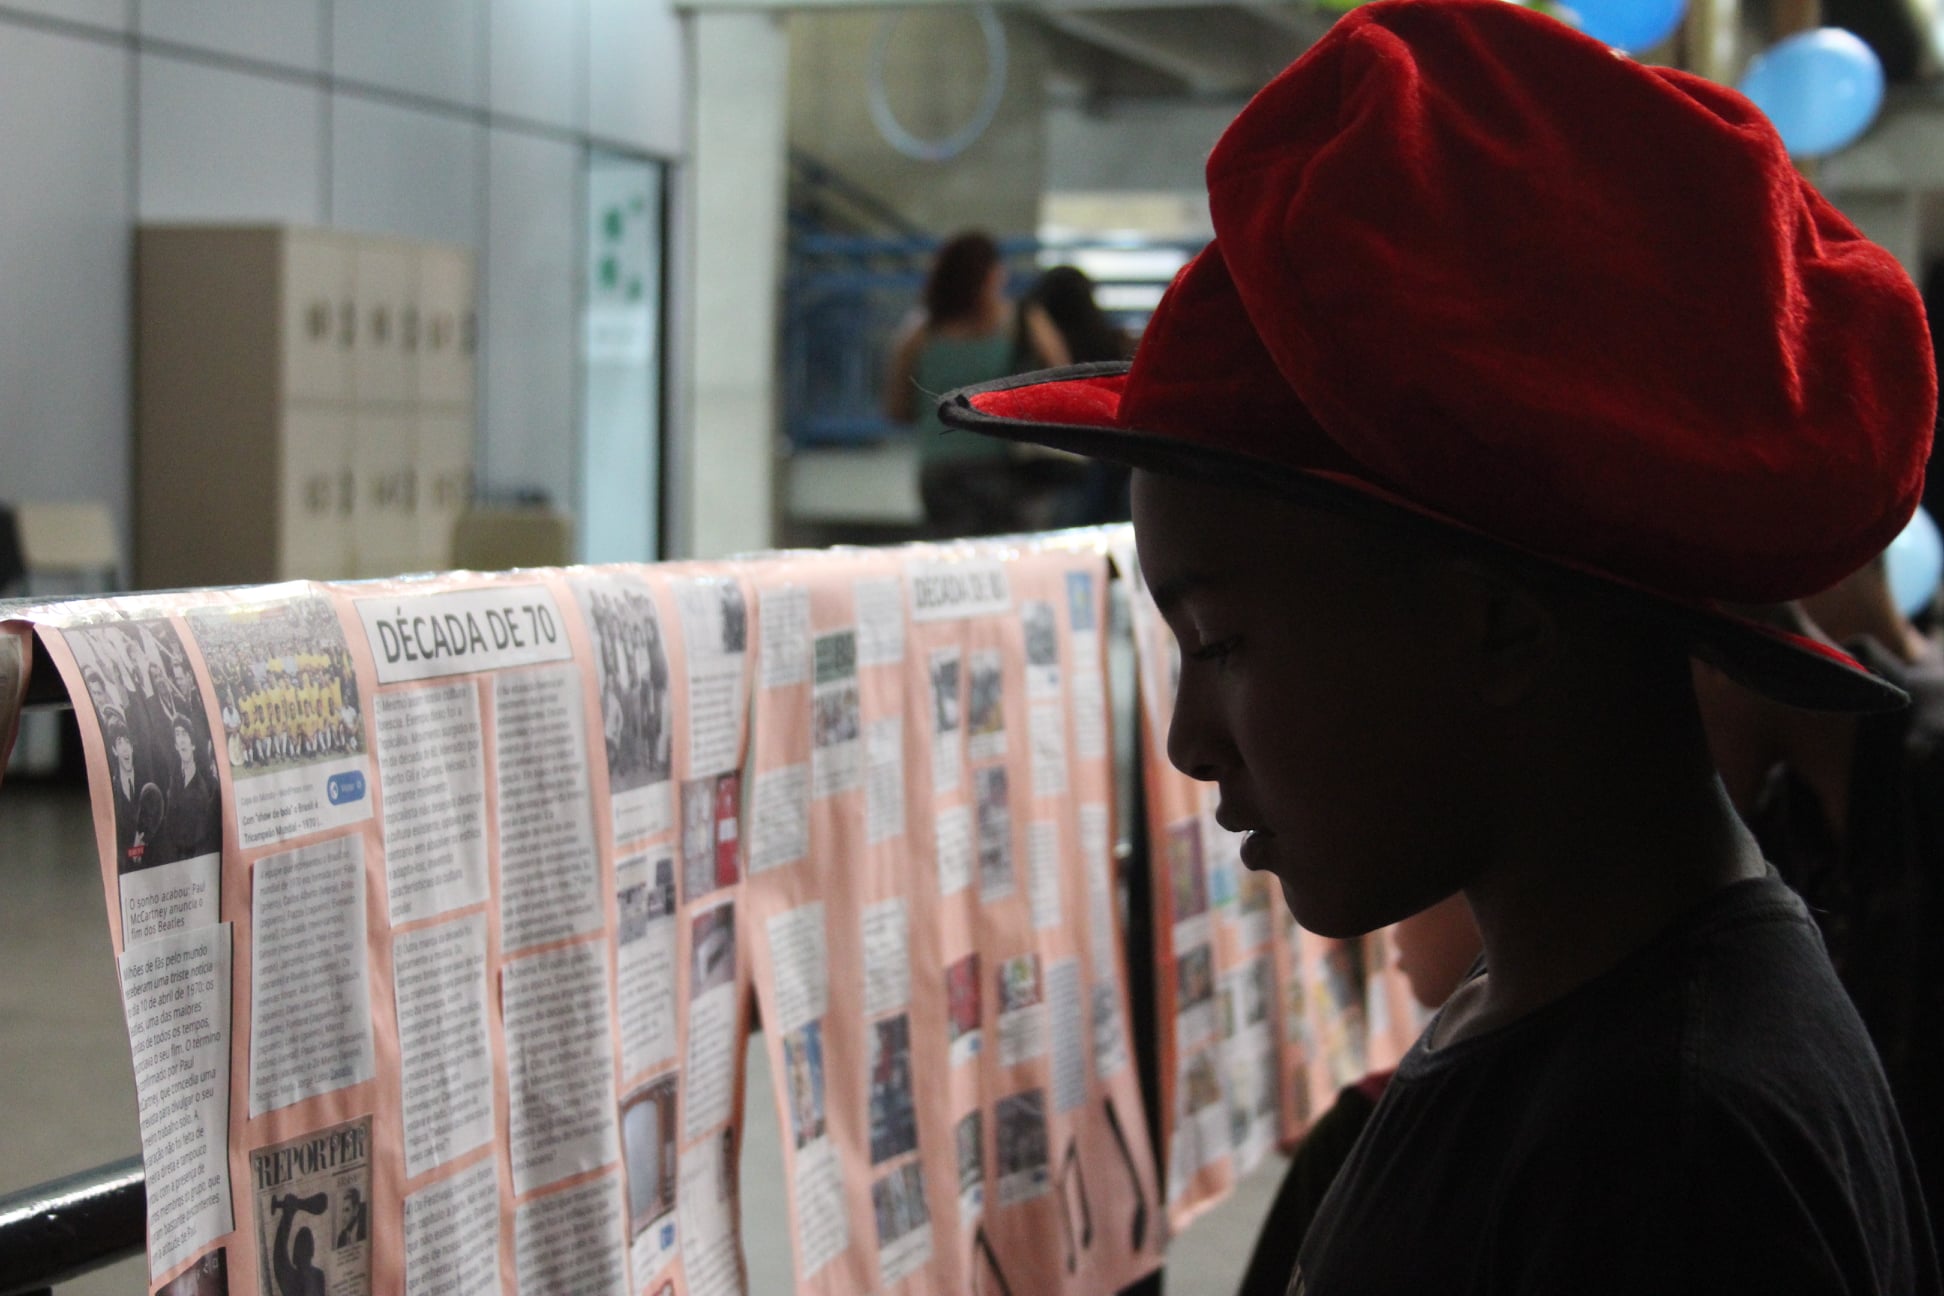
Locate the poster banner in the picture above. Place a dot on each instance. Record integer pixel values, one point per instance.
(1260, 1024)
(16, 661)
(423, 895)
(936, 949)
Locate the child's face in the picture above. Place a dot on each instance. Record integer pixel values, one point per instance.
(1320, 691)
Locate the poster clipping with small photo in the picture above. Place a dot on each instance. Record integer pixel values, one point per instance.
(162, 773)
(711, 829)
(1020, 1122)
(282, 671)
(803, 1075)
(637, 727)
(648, 1142)
(894, 1106)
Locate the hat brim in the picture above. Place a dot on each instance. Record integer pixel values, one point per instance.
(1069, 415)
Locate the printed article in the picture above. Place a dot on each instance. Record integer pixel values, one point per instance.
(1041, 627)
(550, 877)
(963, 1006)
(904, 1234)
(986, 706)
(880, 621)
(894, 1103)
(313, 1212)
(1046, 734)
(711, 854)
(779, 831)
(783, 614)
(571, 1241)
(884, 784)
(887, 958)
(1067, 1011)
(648, 1144)
(431, 766)
(445, 1055)
(310, 997)
(631, 671)
(1020, 1134)
(282, 671)
(452, 1234)
(948, 757)
(715, 634)
(953, 828)
(645, 959)
(970, 1137)
(713, 1041)
(836, 759)
(176, 995)
(995, 834)
(797, 948)
(946, 589)
(1022, 1010)
(1043, 872)
(162, 773)
(711, 1257)
(560, 1067)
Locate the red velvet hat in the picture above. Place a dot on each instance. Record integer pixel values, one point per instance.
(1475, 272)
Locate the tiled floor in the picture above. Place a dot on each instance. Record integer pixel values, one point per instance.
(67, 1094)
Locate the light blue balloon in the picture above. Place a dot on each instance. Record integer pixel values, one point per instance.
(1630, 25)
(1915, 564)
(1821, 88)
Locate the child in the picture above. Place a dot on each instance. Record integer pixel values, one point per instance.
(1513, 363)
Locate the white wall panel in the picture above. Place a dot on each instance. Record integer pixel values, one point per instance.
(218, 145)
(64, 261)
(288, 33)
(537, 63)
(112, 14)
(529, 357)
(635, 73)
(434, 48)
(398, 171)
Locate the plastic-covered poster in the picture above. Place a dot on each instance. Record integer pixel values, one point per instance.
(1259, 1023)
(422, 995)
(16, 660)
(938, 962)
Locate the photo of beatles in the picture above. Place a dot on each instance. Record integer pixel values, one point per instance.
(161, 761)
(633, 672)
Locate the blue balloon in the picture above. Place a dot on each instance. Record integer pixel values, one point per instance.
(1821, 88)
(1630, 25)
(1915, 563)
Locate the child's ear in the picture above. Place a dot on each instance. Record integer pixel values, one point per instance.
(1507, 634)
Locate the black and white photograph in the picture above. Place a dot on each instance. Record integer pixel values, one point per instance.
(648, 1142)
(898, 1202)
(1019, 1131)
(631, 666)
(712, 952)
(834, 711)
(735, 618)
(986, 704)
(643, 903)
(208, 1276)
(161, 762)
(894, 1108)
(994, 824)
(803, 1074)
(945, 685)
(1042, 631)
(284, 683)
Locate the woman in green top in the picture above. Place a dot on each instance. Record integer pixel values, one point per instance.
(965, 335)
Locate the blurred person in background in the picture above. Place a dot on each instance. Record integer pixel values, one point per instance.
(1436, 949)
(965, 334)
(1850, 811)
(1084, 492)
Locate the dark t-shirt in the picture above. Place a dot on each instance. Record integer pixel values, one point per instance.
(1707, 1117)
